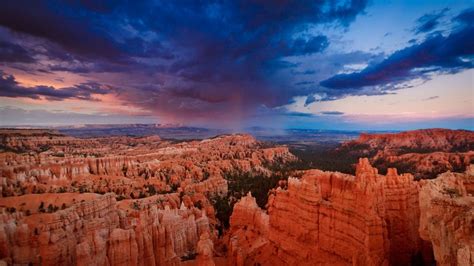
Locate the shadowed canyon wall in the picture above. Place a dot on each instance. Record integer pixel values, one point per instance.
(447, 217)
(338, 219)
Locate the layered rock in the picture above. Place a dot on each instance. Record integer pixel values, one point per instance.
(37, 140)
(331, 218)
(402, 216)
(248, 232)
(205, 250)
(195, 166)
(424, 139)
(447, 217)
(100, 232)
(423, 153)
(53, 210)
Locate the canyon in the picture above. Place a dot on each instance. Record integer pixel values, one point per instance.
(115, 200)
(367, 219)
(123, 200)
(334, 218)
(423, 153)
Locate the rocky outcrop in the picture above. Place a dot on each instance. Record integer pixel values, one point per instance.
(216, 186)
(100, 232)
(117, 200)
(21, 140)
(330, 218)
(146, 201)
(423, 153)
(424, 139)
(196, 166)
(205, 250)
(402, 216)
(426, 165)
(447, 217)
(249, 231)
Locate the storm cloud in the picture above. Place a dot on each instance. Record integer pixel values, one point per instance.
(445, 54)
(192, 60)
(429, 22)
(332, 113)
(9, 87)
(195, 59)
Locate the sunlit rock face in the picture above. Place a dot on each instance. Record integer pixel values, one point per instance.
(434, 139)
(205, 250)
(423, 153)
(104, 165)
(447, 217)
(98, 231)
(147, 201)
(117, 200)
(331, 218)
(248, 233)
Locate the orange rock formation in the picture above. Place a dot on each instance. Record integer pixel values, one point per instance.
(447, 217)
(117, 200)
(194, 166)
(423, 153)
(146, 201)
(100, 232)
(205, 250)
(331, 218)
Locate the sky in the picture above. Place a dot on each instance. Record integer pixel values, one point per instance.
(349, 65)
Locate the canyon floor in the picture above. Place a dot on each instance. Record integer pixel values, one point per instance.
(105, 197)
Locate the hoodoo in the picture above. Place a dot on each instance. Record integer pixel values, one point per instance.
(329, 217)
(447, 217)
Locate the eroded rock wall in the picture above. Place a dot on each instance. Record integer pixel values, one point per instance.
(99, 232)
(329, 218)
(424, 153)
(447, 217)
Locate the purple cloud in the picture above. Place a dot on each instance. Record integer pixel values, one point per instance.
(9, 87)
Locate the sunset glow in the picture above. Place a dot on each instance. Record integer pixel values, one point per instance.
(239, 64)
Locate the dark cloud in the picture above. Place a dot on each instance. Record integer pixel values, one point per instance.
(235, 51)
(209, 57)
(305, 72)
(305, 47)
(436, 54)
(10, 52)
(309, 100)
(9, 87)
(332, 113)
(59, 23)
(430, 98)
(429, 22)
(75, 27)
(465, 17)
(298, 114)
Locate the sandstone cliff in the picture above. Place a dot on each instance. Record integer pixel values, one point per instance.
(329, 218)
(195, 166)
(424, 139)
(205, 250)
(447, 217)
(248, 233)
(117, 200)
(100, 232)
(423, 153)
